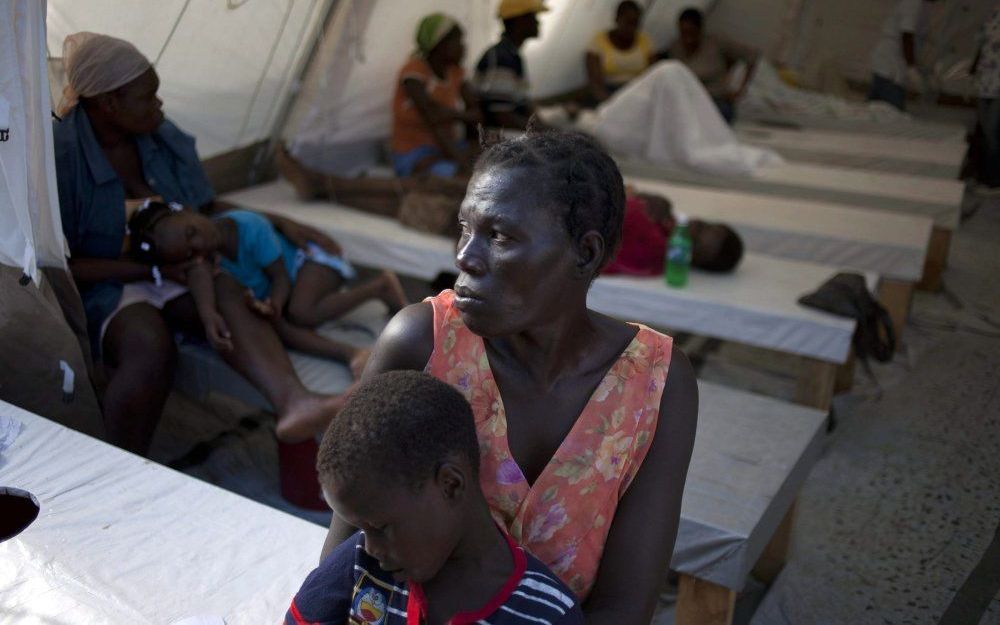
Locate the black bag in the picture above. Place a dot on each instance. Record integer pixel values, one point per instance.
(846, 295)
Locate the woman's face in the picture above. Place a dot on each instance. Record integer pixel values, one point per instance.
(185, 235)
(690, 34)
(517, 263)
(452, 48)
(628, 22)
(137, 110)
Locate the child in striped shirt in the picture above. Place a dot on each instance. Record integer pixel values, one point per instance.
(401, 462)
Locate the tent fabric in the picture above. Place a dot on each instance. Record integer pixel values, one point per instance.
(30, 230)
(227, 69)
(755, 305)
(666, 117)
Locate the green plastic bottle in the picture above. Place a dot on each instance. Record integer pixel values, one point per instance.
(678, 253)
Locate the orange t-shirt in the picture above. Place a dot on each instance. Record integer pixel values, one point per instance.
(409, 130)
(564, 517)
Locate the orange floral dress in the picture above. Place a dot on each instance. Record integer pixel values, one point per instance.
(564, 517)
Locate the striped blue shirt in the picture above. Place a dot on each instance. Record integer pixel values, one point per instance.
(349, 588)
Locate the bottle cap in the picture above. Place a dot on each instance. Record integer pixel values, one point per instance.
(682, 218)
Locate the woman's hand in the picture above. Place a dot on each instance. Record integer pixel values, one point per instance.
(302, 235)
(217, 332)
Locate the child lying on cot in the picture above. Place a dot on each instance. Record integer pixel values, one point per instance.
(646, 230)
(298, 289)
(401, 462)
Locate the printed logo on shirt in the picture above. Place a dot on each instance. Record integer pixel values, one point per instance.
(369, 606)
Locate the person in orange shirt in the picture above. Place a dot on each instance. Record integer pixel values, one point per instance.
(432, 102)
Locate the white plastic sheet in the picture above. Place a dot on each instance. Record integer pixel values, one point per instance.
(30, 227)
(120, 539)
(755, 305)
(666, 117)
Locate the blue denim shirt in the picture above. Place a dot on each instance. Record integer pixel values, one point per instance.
(92, 197)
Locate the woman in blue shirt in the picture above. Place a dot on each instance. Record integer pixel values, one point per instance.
(114, 148)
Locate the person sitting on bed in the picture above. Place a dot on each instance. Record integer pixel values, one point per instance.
(618, 55)
(646, 230)
(401, 463)
(295, 288)
(432, 97)
(712, 59)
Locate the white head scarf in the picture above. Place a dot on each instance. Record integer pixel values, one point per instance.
(98, 64)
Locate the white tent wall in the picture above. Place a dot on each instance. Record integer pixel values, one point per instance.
(43, 361)
(30, 230)
(343, 113)
(226, 67)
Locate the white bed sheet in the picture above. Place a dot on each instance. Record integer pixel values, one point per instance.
(940, 152)
(892, 245)
(913, 195)
(755, 305)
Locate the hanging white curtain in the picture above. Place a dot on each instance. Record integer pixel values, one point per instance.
(30, 228)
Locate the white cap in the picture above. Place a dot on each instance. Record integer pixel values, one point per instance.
(682, 218)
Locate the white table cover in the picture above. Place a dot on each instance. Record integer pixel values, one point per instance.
(121, 539)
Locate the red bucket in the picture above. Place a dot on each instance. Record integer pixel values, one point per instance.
(299, 479)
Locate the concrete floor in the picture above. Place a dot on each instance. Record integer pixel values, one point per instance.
(898, 512)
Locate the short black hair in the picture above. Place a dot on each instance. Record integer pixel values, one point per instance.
(693, 15)
(141, 227)
(577, 174)
(627, 5)
(729, 255)
(399, 427)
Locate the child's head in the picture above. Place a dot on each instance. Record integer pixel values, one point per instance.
(401, 462)
(165, 233)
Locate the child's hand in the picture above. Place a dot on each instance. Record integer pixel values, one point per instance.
(217, 332)
(261, 307)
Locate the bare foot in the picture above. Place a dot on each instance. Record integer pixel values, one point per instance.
(307, 417)
(308, 185)
(392, 292)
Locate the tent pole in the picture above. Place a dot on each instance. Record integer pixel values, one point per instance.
(264, 157)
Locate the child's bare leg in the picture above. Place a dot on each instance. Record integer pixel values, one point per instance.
(316, 297)
(311, 342)
(259, 355)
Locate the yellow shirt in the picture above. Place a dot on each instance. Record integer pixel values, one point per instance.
(621, 66)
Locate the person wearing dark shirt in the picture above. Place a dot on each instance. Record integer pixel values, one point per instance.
(501, 78)
(401, 463)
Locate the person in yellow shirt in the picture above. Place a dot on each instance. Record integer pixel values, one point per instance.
(618, 55)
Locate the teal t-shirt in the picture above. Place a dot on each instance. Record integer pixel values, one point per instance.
(259, 246)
